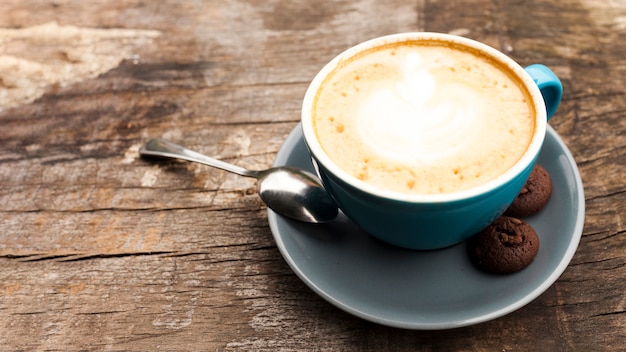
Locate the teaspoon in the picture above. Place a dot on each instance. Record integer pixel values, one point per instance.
(288, 191)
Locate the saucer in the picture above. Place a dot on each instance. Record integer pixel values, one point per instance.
(428, 290)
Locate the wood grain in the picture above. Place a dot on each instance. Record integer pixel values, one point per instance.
(103, 250)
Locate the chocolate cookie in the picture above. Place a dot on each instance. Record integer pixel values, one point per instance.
(506, 246)
(533, 196)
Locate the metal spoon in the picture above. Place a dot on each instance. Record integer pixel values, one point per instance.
(288, 191)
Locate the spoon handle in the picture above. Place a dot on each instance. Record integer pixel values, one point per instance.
(166, 149)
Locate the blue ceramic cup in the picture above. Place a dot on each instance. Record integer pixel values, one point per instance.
(431, 221)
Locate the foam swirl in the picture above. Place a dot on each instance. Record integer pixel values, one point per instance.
(416, 119)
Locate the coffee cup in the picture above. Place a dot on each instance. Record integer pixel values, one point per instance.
(423, 139)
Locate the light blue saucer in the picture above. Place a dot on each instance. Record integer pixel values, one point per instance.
(435, 289)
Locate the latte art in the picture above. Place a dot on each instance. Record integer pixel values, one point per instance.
(417, 120)
(423, 118)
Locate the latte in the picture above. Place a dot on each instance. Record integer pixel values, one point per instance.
(423, 117)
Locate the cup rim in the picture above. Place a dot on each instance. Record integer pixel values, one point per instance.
(529, 156)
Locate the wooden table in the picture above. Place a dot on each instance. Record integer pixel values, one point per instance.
(102, 250)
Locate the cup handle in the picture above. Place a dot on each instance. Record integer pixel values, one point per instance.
(549, 85)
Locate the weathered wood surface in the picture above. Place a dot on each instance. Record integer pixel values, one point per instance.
(101, 250)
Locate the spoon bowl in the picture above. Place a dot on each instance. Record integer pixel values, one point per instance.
(291, 192)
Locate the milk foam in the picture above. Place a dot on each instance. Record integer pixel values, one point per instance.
(415, 119)
(423, 118)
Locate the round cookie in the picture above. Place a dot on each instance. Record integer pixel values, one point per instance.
(533, 196)
(506, 246)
